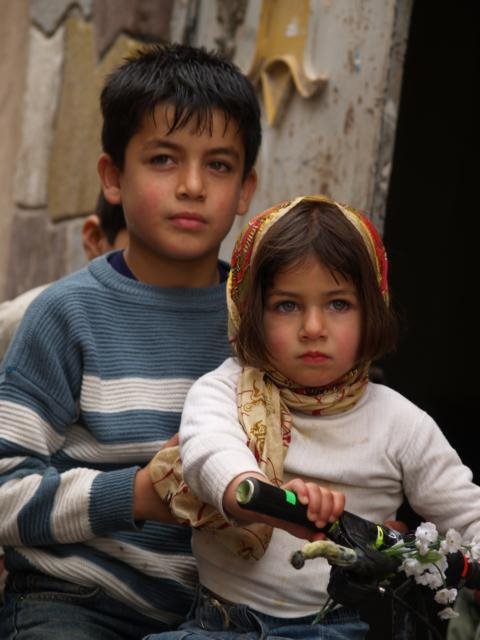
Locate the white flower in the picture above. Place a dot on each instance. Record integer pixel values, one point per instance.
(474, 548)
(442, 564)
(425, 535)
(475, 551)
(426, 531)
(445, 596)
(422, 546)
(447, 613)
(411, 567)
(452, 542)
(431, 577)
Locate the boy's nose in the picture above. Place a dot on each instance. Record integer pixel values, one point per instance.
(191, 183)
(313, 325)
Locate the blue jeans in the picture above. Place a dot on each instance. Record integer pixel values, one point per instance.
(210, 618)
(38, 607)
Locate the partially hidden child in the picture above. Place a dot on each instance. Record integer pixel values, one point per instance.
(102, 231)
(95, 379)
(309, 311)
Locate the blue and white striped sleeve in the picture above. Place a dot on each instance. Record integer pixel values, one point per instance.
(42, 503)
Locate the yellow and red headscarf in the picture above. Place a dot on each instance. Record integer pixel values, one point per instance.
(251, 237)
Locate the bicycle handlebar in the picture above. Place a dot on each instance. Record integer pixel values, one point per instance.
(349, 530)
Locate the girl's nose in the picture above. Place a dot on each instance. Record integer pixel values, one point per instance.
(313, 324)
(191, 183)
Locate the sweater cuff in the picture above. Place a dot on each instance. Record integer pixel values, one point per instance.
(111, 502)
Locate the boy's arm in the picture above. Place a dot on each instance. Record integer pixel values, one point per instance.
(42, 506)
(40, 385)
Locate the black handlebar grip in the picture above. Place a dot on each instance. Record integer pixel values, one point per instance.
(261, 497)
(349, 530)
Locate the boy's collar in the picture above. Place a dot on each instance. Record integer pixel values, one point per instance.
(117, 261)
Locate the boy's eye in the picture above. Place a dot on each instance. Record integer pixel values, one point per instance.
(219, 165)
(161, 159)
(286, 306)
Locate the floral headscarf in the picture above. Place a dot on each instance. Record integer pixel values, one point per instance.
(265, 398)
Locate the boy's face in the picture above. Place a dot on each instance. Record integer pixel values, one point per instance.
(180, 193)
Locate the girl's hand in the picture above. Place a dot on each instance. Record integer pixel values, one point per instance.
(324, 505)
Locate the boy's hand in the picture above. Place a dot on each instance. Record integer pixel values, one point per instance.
(147, 504)
(325, 505)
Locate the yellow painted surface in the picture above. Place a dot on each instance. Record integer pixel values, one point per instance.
(73, 183)
(279, 56)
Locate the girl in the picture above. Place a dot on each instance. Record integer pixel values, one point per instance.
(308, 310)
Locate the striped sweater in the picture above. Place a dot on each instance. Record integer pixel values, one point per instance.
(91, 387)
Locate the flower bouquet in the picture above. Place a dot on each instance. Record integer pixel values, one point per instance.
(423, 556)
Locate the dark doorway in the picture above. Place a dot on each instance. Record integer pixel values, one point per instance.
(430, 235)
(431, 221)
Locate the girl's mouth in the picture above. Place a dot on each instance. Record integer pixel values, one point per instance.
(313, 357)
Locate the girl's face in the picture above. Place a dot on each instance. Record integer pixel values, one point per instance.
(312, 324)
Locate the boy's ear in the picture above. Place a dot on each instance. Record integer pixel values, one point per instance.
(94, 240)
(246, 194)
(110, 179)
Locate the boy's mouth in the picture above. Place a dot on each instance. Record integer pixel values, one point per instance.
(188, 220)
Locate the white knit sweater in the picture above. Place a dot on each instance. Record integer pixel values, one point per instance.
(373, 453)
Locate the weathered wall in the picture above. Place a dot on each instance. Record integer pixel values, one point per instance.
(338, 140)
(13, 55)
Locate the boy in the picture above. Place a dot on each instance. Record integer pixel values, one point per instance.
(101, 232)
(95, 380)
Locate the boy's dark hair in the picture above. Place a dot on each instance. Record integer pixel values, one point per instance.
(111, 216)
(194, 81)
(320, 230)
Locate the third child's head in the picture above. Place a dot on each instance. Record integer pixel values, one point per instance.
(181, 132)
(309, 293)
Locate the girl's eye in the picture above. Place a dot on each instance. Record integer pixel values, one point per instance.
(340, 305)
(286, 306)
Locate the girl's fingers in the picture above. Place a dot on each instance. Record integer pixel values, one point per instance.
(324, 505)
(338, 505)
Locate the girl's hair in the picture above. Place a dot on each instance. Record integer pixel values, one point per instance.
(322, 230)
